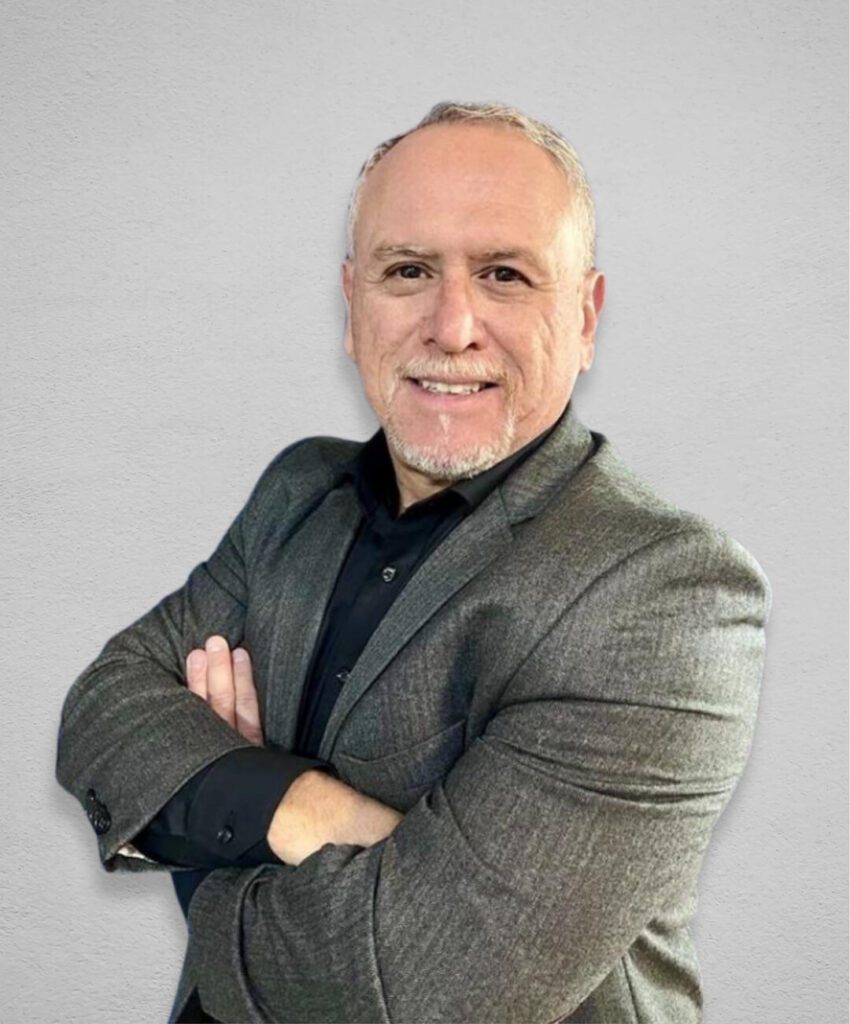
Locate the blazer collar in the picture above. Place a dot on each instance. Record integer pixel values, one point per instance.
(549, 468)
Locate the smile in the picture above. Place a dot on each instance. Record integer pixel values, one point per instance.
(443, 394)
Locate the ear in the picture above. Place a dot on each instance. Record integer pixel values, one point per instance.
(593, 299)
(347, 288)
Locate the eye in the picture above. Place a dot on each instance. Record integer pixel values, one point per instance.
(507, 275)
(406, 271)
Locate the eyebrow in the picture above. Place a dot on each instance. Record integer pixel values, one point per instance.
(495, 255)
(388, 252)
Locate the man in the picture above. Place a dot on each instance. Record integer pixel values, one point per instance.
(472, 696)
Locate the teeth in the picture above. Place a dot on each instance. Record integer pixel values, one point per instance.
(450, 389)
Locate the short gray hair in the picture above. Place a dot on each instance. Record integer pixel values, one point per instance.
(539, 133)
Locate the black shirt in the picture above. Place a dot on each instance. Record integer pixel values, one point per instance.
(220, 817)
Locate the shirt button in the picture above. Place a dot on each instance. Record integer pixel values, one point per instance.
(225, 835)
(343, 675)
(388, 573)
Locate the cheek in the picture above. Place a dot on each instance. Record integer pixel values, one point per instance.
(382, 317)
(558, 343)
(385, 330)
(536, 345)
(378, 332)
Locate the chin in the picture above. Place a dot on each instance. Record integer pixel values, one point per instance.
(448, 460)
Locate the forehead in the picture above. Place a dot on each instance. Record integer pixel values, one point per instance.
(455, 184)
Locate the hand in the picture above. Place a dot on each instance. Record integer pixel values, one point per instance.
(226, 683)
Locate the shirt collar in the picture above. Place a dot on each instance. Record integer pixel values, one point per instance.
(373, 474)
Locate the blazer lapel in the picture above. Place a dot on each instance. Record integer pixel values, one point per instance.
(477, 541)
(469, 548)
(313, 557)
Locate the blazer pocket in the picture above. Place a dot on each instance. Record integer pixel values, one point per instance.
(402, 777)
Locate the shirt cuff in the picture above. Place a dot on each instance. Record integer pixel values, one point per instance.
(221, 816)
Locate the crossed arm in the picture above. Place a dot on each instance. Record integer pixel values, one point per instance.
(316, 808)
(285, 808)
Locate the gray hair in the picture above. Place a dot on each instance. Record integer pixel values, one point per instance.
(539, 133)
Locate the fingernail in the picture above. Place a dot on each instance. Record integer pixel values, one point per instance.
(195, 659)
(240, 654)
(216, 643)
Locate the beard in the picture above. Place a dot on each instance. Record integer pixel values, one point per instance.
(435, 462)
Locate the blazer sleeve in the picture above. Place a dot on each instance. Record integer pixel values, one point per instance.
(581, 812)
(131, 732)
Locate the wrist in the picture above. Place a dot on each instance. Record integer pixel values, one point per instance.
(318, 808)
(295, 830)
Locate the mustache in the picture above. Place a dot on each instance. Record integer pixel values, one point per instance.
(453, 370)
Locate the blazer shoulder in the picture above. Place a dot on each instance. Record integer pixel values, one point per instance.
(627, 519)
(307, 465)
(318, 453)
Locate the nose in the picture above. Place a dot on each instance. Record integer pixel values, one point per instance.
(452, 323)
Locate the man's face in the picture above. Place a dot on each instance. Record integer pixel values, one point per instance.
(467, 267)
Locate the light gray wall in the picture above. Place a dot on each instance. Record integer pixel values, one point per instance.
(174, 178)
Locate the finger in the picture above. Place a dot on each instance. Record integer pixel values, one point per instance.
(221, 696)
(247, 705)
(196, 672)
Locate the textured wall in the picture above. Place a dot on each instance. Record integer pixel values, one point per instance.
(173, 183)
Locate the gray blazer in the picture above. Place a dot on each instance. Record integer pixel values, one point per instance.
(561, 701)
